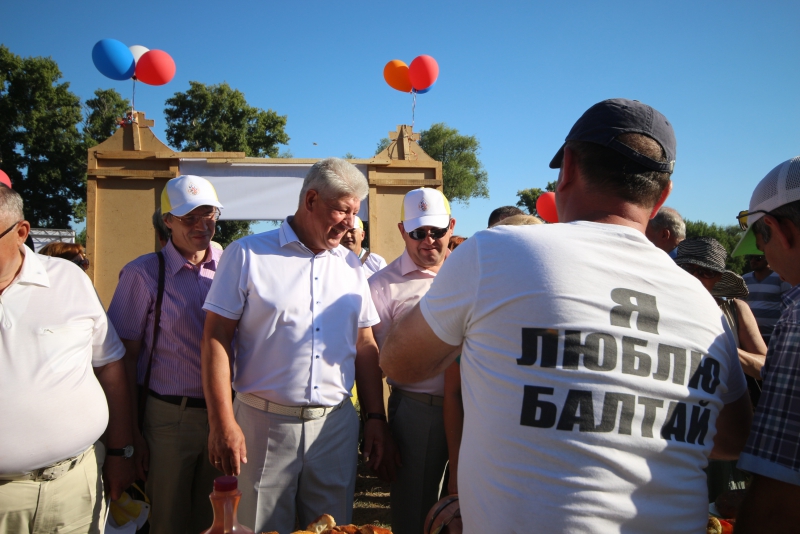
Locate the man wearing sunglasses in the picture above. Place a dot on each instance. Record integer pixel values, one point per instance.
(415, 409)
(588, 354)
(772, 453)
(171, 448)
(62, 385)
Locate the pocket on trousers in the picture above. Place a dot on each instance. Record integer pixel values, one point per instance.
(161, 417)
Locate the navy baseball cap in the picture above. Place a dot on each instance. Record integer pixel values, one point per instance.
(604, 121)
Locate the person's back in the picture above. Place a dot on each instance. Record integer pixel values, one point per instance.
(766, 289)
(611, 406)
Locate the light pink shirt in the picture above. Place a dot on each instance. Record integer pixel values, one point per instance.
(395, 290)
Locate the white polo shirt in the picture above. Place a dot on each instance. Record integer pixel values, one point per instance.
(53, 331)
(299, 315)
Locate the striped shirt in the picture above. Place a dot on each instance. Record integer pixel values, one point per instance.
(176, 360)
(773, 448)
(765, 300)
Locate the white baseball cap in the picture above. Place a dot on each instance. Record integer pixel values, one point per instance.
(185, 193)
(780, 186)
(425, 207)
(359, 224)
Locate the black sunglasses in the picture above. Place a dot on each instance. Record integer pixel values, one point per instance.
(12, 227)
(436, 233)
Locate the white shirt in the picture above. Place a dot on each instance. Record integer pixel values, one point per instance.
(395, 290)
(373, 264)
(53, 331)
(299, 315)
(583, 407)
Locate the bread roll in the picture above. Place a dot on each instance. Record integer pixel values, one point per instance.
(322, 523)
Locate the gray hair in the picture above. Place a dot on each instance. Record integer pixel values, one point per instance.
(334, 178)
(10, 205)
(670, 218)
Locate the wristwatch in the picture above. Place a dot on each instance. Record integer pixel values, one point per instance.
(125, 452)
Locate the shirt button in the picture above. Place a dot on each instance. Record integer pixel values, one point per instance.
(315, 278)
(316, 387)
(318, 356)
(317, 329)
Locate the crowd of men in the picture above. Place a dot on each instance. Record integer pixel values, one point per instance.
(596, 376)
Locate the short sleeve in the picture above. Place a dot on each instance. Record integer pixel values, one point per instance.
(106, 345)
(228, 293)
(368, 315)
(131, 303)
(448, 304)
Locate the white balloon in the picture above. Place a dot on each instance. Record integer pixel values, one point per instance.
(137, 51)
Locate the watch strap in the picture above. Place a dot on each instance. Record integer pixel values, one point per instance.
(374, 415)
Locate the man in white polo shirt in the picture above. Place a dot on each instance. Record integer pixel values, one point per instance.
(299, 306)
(352, 239)
(62, 385)
(415, 410)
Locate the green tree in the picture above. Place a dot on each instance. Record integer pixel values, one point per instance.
(217, 118)
(728, 236)
(41, 148)
(527, 197)
(462, 172)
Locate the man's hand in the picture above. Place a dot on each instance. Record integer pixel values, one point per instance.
(141, 456)
(226, 448)
(390, 459)
(118, 474)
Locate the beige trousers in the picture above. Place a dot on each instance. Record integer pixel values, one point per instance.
(181, 477)
(70, 504)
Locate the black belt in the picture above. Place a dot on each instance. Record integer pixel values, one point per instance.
(191, 402)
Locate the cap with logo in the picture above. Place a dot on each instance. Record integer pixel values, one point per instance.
(606, 120)
(780, 186)
(425, 207)
(185, 193)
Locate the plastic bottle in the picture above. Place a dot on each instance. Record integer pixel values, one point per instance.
(225, 501)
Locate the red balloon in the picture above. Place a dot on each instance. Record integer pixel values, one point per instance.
(155, 67)
(4, 179)
(423, 71)
(546, 207)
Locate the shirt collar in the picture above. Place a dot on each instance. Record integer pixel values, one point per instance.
(175, 260)
(33, 272)
(286, 236)
(407, 265)
(791, 297)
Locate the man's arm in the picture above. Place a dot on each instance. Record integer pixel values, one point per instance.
(733, 427)
(413, 352)
(118, 472)
(753, 351)
(379, 450)
(141, 453)
(226, 446)
(769, 506)
(453, 413)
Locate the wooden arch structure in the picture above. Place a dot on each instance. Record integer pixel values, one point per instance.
(127, 172)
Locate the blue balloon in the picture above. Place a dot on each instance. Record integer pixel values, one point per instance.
(423, 91)
(113, 59)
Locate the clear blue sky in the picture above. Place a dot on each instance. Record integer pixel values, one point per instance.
(515, 74)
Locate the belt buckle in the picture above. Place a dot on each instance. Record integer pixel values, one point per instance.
(312, 412)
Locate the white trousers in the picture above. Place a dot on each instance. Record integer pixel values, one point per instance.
(296, 468)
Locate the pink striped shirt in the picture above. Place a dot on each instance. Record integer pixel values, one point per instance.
(176, 360)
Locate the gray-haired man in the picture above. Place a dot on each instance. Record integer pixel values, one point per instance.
(666, 230)
(300, 308)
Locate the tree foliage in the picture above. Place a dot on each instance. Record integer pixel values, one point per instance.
(218, 118)
(41, 148)
(102, 114)
(728, 236)
(527, 197)
(462, 172)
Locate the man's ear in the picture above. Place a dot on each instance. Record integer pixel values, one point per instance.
(568, 170)
(783, 232)
(663, 198)
(401, 228)
(312, 198)
(666, 234)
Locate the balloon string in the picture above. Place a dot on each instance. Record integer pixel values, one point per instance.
(413, 108)
(133, 98)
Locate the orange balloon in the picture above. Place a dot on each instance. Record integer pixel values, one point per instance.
(546, 207)
(396, 75)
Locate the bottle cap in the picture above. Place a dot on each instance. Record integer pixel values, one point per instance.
(225, 483)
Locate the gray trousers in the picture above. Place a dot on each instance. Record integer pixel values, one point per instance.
(296, 467)
(418, 431)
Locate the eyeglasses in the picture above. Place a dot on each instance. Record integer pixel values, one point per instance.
(744, 214)
(699, 272)
(436, 233)
(12, 227)
(191, 220)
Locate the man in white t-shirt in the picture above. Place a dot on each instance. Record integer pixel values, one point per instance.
(415, 410)
(598, 376)
(352, 239)
(62, 385)
(299, 306)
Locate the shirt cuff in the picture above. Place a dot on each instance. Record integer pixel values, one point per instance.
(221, 311)
(436, 327)
(763, 467)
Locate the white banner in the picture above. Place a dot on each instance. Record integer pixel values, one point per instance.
(257, 191)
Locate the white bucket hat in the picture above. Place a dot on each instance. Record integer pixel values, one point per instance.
(425, 207)
(185, 193)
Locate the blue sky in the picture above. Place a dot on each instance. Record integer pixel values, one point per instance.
(515, 74)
